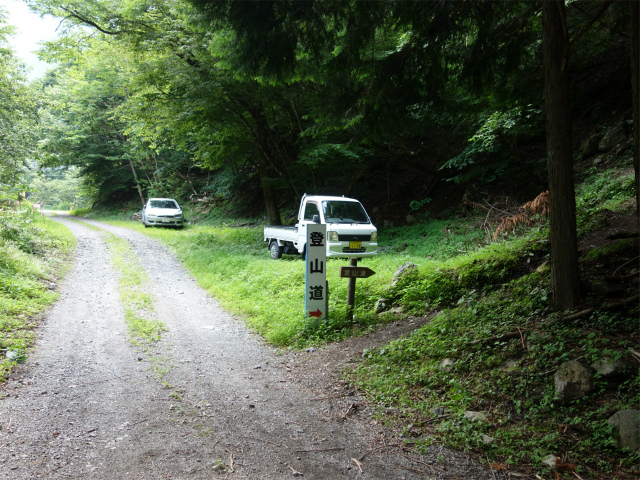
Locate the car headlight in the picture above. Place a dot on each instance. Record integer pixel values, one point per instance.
(332, 236)
(374, 236)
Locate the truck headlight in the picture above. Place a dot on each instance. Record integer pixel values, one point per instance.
(374, 236)
(332, 236)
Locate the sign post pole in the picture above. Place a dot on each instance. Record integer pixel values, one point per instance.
(351, 290)
(352, 272)
(316, 287)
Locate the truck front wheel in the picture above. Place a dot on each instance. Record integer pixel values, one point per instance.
(276, 250)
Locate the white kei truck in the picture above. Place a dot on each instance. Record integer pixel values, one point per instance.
(350, 232)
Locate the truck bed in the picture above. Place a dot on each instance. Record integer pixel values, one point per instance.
(280, 232)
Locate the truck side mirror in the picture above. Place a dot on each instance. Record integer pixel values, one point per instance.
(315, 218)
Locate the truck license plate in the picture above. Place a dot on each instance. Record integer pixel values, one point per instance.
(355, 244)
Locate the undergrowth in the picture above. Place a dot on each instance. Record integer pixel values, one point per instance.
(33, 251)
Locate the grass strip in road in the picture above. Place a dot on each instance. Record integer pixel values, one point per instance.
(138, 304)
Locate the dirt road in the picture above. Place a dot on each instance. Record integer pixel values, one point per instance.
(209, 400)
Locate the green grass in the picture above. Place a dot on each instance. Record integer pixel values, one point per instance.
(138, 304)
(33, 254)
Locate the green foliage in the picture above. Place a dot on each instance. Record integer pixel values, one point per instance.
(17, 111)
(602, 192)
(417, 205)
(489, 155)
(59, 189)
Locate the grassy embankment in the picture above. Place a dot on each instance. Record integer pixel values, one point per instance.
(33, 255)
(477, 292)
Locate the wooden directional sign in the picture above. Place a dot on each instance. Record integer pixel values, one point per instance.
(356, 272)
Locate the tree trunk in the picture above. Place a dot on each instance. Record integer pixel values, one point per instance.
(565, 281)
(273, 212)
(634, 9)
(135, 176)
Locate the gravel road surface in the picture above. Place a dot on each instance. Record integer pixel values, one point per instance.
(210, 400)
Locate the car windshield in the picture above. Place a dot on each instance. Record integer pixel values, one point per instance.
(163, 204)
(336, 211)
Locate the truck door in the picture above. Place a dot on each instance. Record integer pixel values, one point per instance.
(310, 210)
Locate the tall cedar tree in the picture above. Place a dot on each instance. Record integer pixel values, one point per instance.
(565, 281)
(634, 9)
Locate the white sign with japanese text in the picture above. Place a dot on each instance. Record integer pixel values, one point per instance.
(316, 272)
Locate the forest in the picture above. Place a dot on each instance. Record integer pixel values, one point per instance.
(428, 112)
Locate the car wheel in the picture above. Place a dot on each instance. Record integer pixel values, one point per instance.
(276, 250)
(304, 253)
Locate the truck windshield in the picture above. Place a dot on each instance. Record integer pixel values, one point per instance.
(336, 211)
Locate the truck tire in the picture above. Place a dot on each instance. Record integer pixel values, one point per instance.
(275, 249)
(304, 253)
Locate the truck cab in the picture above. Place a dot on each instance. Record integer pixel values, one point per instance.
(350, 232)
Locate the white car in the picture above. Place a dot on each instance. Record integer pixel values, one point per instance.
(162, 212)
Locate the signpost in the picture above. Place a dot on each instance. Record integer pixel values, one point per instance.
(356, 272)
(316, 287)
(352, 272)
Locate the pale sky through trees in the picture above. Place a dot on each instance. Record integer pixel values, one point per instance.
(31, 29)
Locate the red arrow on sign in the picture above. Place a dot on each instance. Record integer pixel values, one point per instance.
(317, 313)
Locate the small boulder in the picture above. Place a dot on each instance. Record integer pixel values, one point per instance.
(626, 428)
(381, 305)
(475, 416)
(572, 381)
(446, 365)
(411, 220)
(608, 367)
(612, 138)
(509, 365)
(590, 146)
(551, 461)
(402, 271)
(604, 287)
(439, 411)
(543, 266)
(487, 440)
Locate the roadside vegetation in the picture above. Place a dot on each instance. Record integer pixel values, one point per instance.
(33, 256)
(490, 321)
